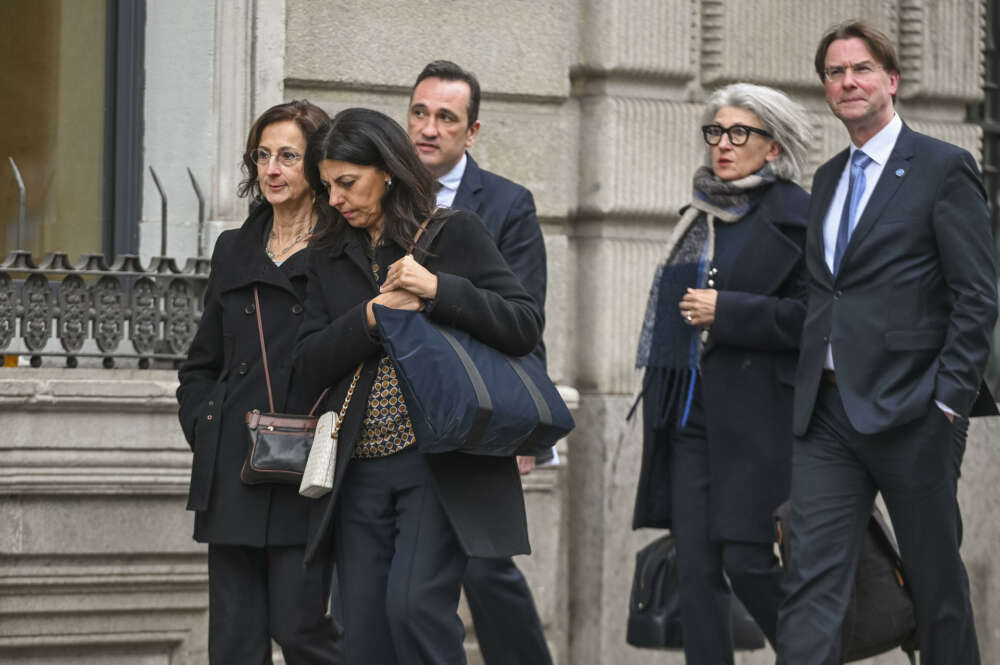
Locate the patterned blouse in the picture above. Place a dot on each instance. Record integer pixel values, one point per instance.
(386, 428)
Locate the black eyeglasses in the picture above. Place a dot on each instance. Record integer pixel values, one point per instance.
(738, 134)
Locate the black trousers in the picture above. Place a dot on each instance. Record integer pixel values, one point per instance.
(256, 594)
(399, 565)
(703, 565)
(836, 473)
(507, 624)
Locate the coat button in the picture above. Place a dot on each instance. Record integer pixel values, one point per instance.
(826, 340)
(837, 294)
(296, 308)
(211, 402)
(243, 369)
(249, 309)
(208, 417)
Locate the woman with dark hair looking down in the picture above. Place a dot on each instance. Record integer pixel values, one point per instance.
(400, 524)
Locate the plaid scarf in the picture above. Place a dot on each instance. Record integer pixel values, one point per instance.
(669, 348)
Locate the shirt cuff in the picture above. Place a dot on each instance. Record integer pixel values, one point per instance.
(946, 409)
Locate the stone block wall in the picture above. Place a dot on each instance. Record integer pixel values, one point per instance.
(97, 564)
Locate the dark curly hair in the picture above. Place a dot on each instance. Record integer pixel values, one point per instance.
(309, 119)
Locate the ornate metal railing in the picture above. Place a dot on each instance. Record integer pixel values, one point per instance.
(56, 304)
(87, 310)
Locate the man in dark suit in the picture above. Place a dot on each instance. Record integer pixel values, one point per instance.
(902, 303)
(443, 122)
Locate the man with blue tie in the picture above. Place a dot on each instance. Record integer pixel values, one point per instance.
(442, 123)
(902, 304)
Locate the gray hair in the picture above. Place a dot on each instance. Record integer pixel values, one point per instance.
(785, 119)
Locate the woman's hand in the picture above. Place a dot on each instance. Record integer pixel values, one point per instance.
(698, 306)
(407, 274)
(398, 299)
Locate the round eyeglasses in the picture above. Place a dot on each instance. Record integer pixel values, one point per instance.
(738, 134)
(285, 157)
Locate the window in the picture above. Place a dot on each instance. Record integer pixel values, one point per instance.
(70, 117)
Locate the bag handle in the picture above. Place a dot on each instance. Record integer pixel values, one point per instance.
(263, 355)
(420, 232)
(347, 400)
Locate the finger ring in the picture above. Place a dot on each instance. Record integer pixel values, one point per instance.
(688, 317)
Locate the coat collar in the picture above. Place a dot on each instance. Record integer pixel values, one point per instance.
(767, 259)
(469, 194)
(250, 263)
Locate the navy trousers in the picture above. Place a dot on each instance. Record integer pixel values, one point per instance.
(399, 565)
(704, 565)
(256, 594)
(836, 473)
(508, 628)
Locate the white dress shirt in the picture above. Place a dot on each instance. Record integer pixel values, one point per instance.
(450, 182)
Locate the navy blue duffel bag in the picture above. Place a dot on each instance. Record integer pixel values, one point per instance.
(464, 395)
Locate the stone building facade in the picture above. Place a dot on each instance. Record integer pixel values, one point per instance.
(594, 105)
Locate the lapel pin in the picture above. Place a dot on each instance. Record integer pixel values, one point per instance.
(899, 173)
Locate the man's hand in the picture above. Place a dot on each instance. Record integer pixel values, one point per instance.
(525, 464)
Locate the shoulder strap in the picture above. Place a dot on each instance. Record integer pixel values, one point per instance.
(347, 401)
(427, 232)
(263, 349)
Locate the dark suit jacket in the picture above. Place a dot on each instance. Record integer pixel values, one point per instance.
(508, 211)
(477, 293)
(223, 378)
(747, 370)
(910, 315)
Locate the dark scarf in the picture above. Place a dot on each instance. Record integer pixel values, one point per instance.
(669, 348)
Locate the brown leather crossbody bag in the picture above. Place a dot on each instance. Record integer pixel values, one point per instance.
(278, 443)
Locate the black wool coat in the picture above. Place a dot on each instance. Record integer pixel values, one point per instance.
(747, 373)
(223, 378)
(477, 292)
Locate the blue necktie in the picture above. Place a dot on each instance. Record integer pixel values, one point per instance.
(855, 189)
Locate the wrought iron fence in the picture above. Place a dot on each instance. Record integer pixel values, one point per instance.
(89, 309)
(156, 309)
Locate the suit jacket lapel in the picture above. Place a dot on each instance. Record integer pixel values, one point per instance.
(822, 196)
(468, 197)
(885, 188)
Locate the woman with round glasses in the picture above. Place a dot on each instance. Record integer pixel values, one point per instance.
(718, 346)
(256, 534)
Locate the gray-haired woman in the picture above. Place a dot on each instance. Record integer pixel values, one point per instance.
(719, 349)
